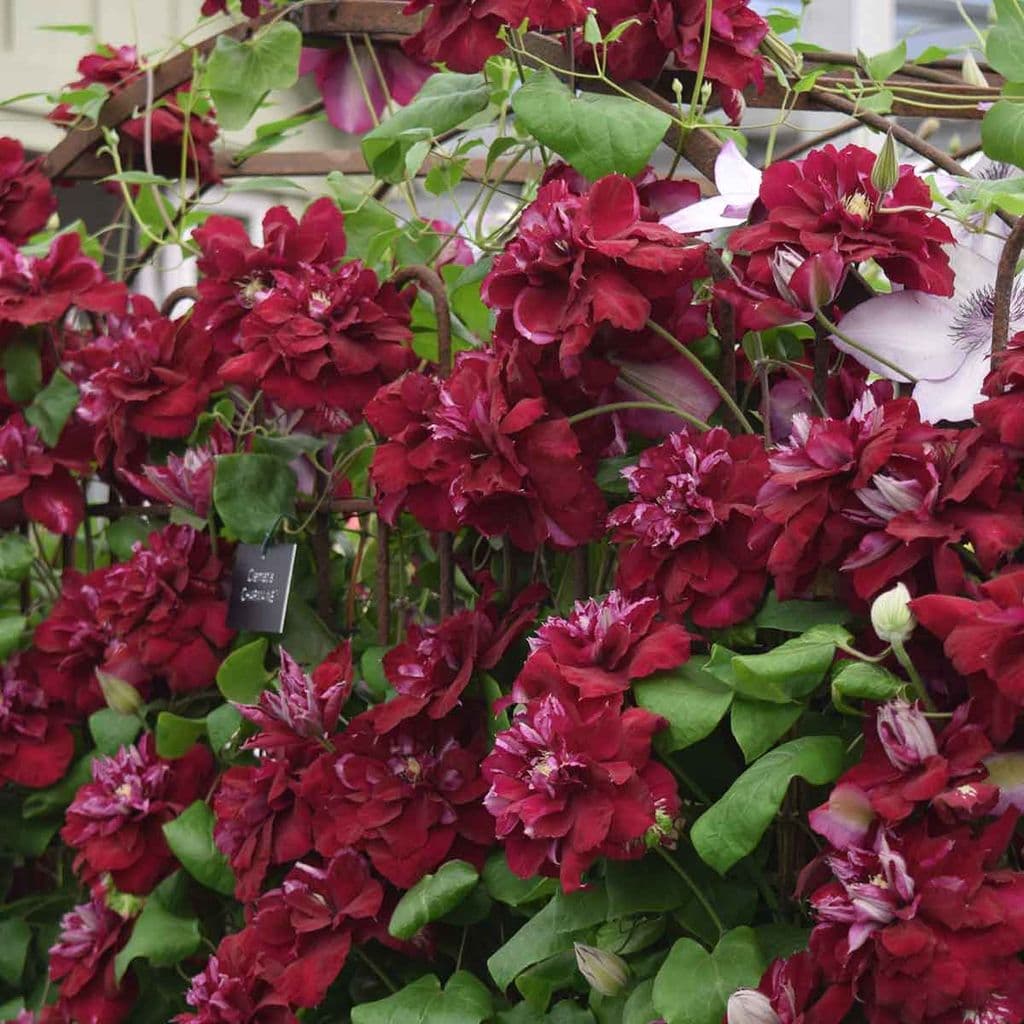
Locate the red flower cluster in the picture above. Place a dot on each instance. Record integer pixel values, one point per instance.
(1001, 415)
(692, 534)
(115, 820)
(581, 260)
(170, 129)
(26, 198)
(159, 616)
(313, 336)
(483, 449)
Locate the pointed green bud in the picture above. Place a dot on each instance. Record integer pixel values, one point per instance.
(776, 48)
(891, 617)
(119, 695)
(605, 972)
(886, 171)
(971, 73)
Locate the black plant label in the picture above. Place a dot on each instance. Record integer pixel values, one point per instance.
(260, 582)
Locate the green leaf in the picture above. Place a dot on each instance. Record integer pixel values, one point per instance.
(878, 103)
(464, 1000)
(396, 148)
(139, 178)
(510, 889)
(176, 736)
(639, 1008)
(1004, 45)
(306, 638)
(800, 616)
(861, 680)
(12, 632)
(780, 939)
(432, 897)
(15, 557)
(242, 676)
(597, 134)
(288, 446)
(1002, 132)
(548, 932)
(647, 886)
(221, 725)
(51, 408)
(692, 701)
(190, 837)
(23, 369)
(757, 724)
(159, 936)
(110, 730)
(124, 533)
(15, 936)
(693, 985)
(885, 65)
(792, 670)
(240, 74)
(930, 54)
(252, 492)
(731, 828)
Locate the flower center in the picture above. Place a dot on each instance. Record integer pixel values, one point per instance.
(857, 204)
(124, 791)
(319, 303)
(971, 327)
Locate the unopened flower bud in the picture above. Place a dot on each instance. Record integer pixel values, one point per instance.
(605, 972)
(748, 1006)
(807, 282)
(891, 617)
(775, 47)
(886, 171)
(905, 735)
(971, 73)
(120, 696)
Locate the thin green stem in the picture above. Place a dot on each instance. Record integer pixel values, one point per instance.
(693, 887)
(729, 401)
(602, 410)
(915, 677)
(833, 329)
(705, 47)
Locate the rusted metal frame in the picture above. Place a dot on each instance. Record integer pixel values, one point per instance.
(186, 291)
(432, 283)
(159, 510)
(1005, 276)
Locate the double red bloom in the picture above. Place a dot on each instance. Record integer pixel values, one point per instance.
(483, 449)
(1001, 415)
(26, 197)
(691, 533)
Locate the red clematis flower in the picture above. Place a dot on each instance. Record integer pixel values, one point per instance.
(26, 197)
(792, 991)
(260, 820)
(985, 635)
(36, 745)
(827, 201)
(1001, 415)
(409, 799)
(228, 991)
(689, 533)
(567, 788)
(463, 35)
(302, 931)
(580, 261)
(115, 820)
(46, 491)
(483, 449)
(146, 376)
(40, 290)
(170, 128)
(925, 927)
(82, 962)
(600, 649)
(432, 669)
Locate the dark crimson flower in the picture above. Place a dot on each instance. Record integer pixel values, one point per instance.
(985, 635)
(409, 799)
(812, 479)
(46, 491)
(36, 745)
(26, 198)
(1001, 415)
(323, 340)
(925, 927)
(826, 201)
(792, 991)
(580, 261)
(435, 664)
(228, 991)
(601, 648)
(170, 128)
(639, 51)
(185, 481)
(236, 274)
(690, 535)
(302, 931)
(115, 820)
(385, 76)
(250, 8)
(568, 789)
(260, 821)
(483, 449)
(904, 766)
(464, 33)
(40, 290)
(146, 376)
(82, 962)
(304, 707)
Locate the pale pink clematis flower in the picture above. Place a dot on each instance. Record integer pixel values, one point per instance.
(738, 182)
